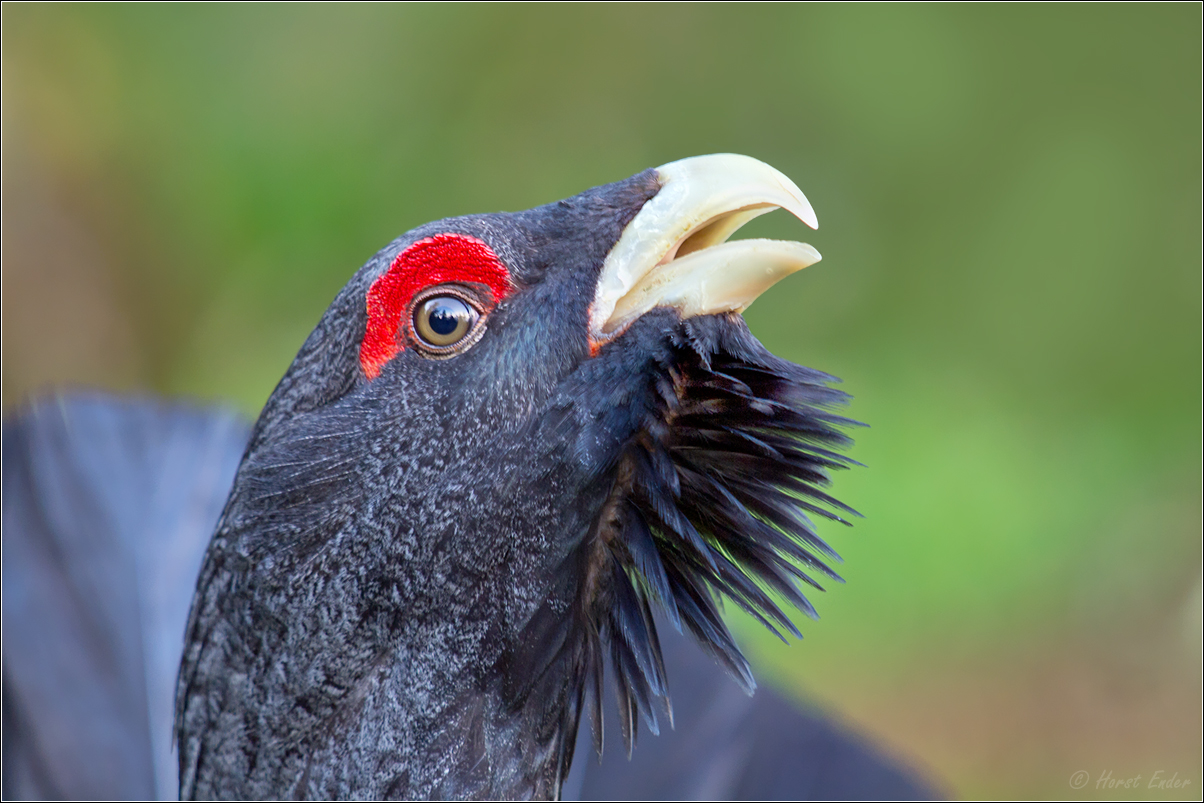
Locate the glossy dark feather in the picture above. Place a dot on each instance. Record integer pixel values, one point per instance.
(60, 739)
(706, 507)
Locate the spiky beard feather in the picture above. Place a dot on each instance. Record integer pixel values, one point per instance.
(709, 499)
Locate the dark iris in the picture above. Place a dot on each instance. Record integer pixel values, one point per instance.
(443, 320)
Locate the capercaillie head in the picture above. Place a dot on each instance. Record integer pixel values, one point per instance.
(510, 440)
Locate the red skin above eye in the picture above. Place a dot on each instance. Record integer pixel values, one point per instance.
(440, 259)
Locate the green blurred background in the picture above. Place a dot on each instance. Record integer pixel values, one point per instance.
(1009, 200)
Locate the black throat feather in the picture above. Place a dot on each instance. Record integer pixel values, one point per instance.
(712, 470)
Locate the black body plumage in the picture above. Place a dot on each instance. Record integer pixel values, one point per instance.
(418, 580)
(109, 504)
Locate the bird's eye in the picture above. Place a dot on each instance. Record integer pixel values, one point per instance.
(441, 322)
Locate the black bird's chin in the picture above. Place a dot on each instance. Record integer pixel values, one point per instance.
(712, 458)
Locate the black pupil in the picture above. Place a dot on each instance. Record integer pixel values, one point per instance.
(446, 314)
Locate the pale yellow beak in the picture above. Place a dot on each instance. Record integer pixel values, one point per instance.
(674, 253)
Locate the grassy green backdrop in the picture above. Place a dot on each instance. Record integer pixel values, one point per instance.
(1010, 211)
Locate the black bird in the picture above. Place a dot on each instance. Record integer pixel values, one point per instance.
(513, 448)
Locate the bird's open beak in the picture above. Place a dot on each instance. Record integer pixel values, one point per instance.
(674, 253)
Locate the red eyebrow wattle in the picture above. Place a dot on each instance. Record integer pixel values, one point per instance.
(436, 260)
